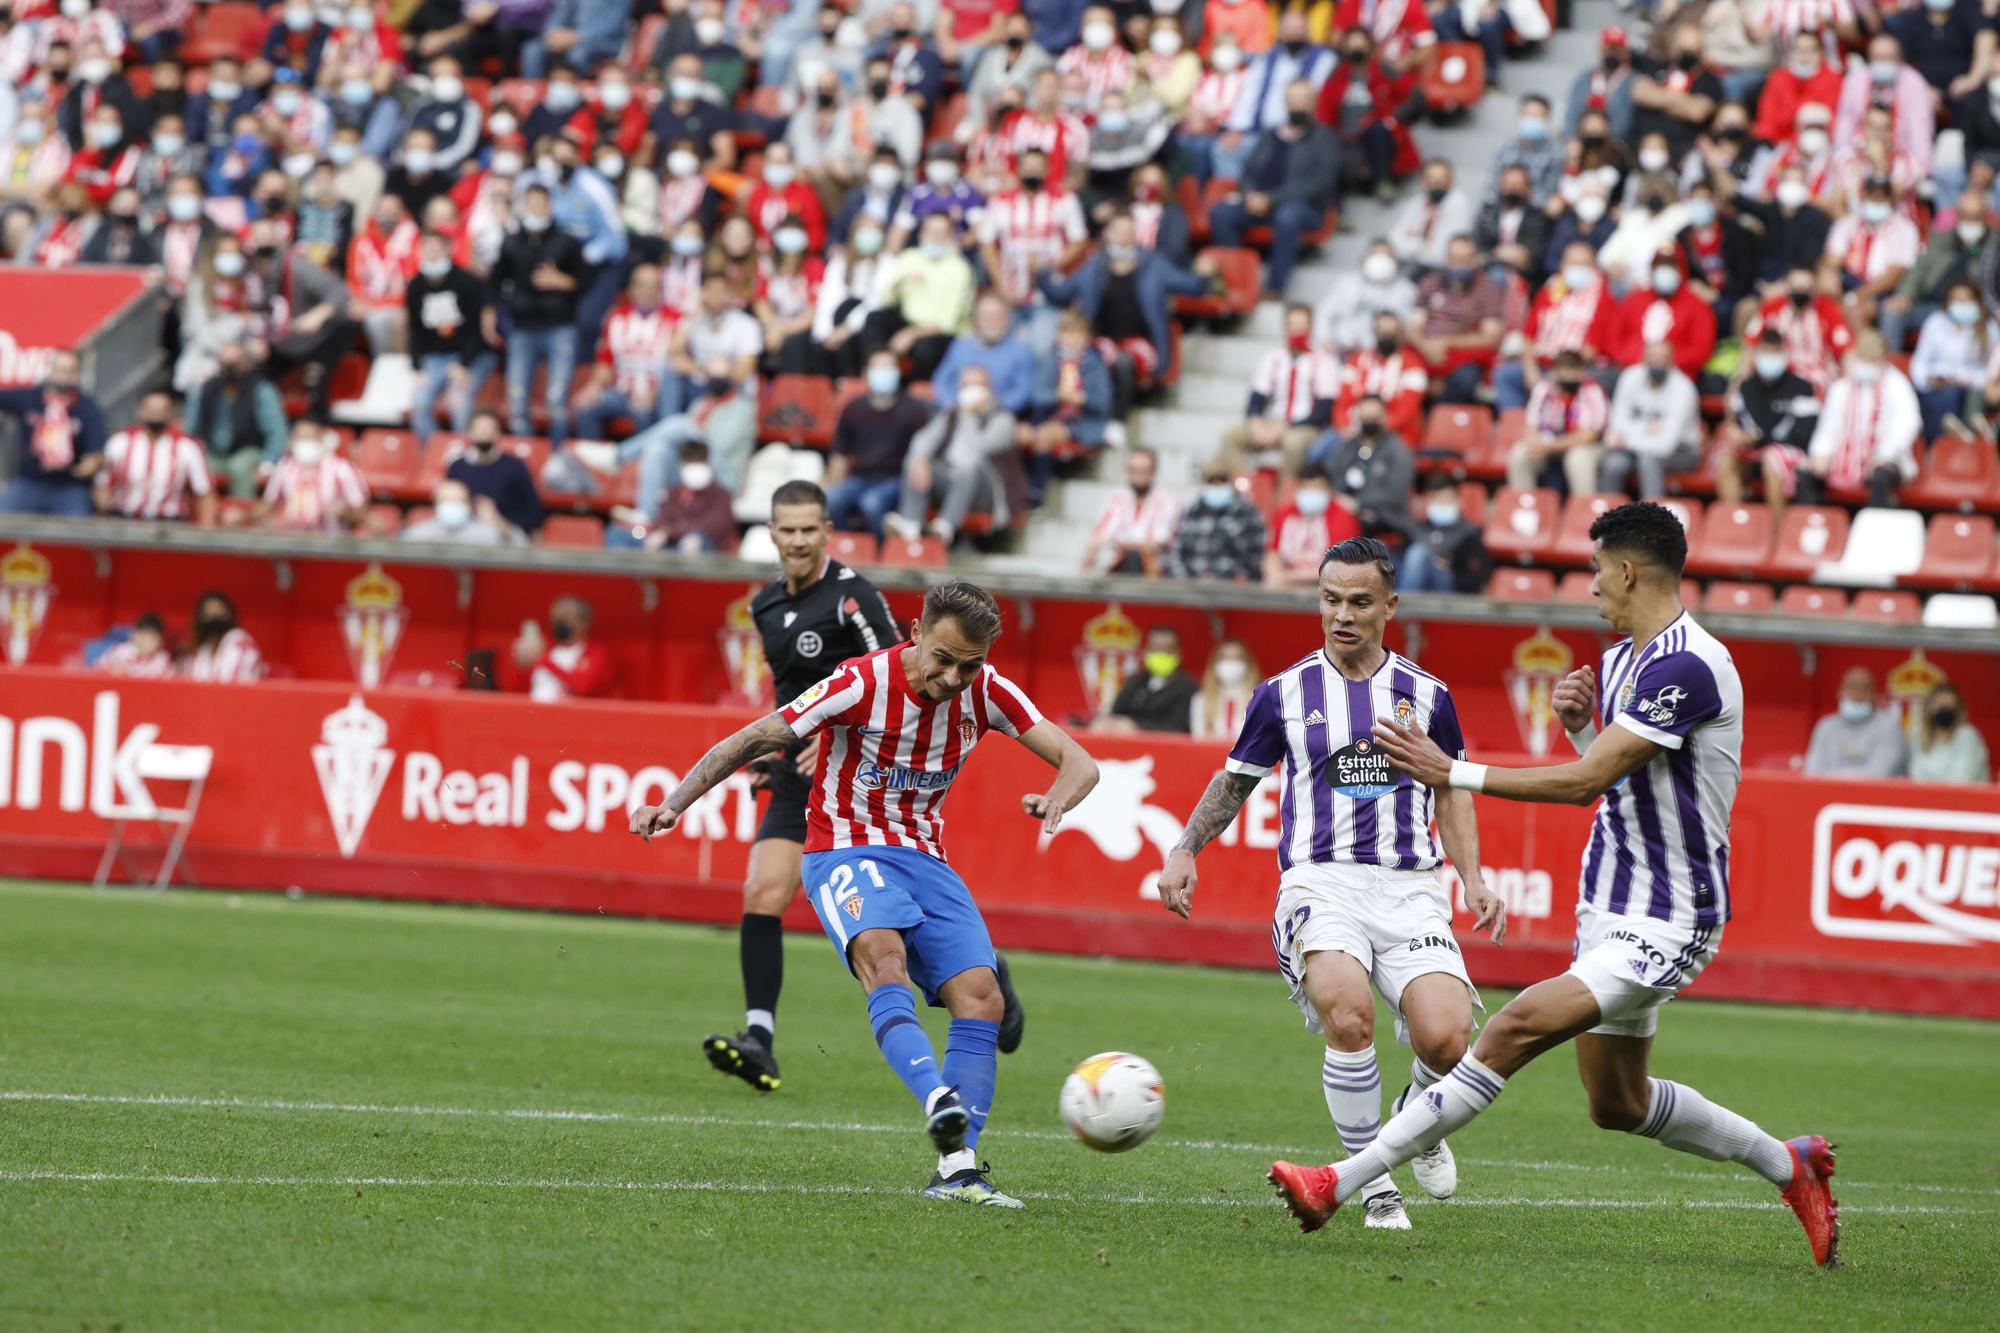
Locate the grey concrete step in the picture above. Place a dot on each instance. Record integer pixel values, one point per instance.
(1081, 501)
(1211, 393)
(1232, 356)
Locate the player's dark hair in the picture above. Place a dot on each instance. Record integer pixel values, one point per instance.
(969, 606)
(1362, 551)
(1644, 529)
(798, 493)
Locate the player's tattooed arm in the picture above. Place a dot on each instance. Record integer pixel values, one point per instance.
(767, 735)
(1217, 808)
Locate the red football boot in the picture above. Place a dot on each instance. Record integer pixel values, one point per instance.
(1307, 1192)
(1811, 1196)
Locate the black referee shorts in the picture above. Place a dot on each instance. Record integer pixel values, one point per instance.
(785, 816)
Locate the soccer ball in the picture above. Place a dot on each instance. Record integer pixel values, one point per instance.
(1113, 1101)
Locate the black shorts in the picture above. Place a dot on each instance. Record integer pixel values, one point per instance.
(785, 816)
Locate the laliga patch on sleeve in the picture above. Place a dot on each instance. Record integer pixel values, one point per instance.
(814, 693)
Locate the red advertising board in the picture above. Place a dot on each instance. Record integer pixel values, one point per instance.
(1882, 896)
(42, 311)
(689, 640)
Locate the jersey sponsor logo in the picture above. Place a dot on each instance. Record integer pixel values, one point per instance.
(814, 693)
(1423, 942)
(1641, 946)
(1361, 771)
(876, 777)
(1907, 874)
(1660, 709)
(809, 644)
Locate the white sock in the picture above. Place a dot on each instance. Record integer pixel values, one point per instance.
(1683, 1119)
(1441, 1110)
(1421, 1076)
(951, 1163)
(1353, 1086)
(761, 1018)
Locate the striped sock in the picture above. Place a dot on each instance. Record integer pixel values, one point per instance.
(1421, 1076)
(1353, 1086)
(892, 1012)
(1681, 1118)
(1437, 1113)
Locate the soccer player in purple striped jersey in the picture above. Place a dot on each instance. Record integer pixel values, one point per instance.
(1359, 897)
(1661, 746)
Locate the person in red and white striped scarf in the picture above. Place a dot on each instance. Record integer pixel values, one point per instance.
(1867, 430)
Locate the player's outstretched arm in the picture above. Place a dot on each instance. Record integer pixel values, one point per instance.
(1076, 773)
(1616, 754)
(1458, 830)
(767, 735)
(1225, 796)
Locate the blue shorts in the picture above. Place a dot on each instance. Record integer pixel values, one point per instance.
(904, 890)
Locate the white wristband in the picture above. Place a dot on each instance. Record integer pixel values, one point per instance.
(1466, 777)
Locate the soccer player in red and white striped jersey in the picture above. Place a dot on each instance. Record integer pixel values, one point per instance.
(899, 725)
(152, 470)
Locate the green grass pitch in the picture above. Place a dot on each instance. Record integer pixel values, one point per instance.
(247, 1112)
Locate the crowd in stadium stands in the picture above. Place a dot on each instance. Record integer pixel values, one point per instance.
(652, 259)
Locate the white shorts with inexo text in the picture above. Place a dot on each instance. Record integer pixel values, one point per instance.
(1635, 964)
(1395, 923)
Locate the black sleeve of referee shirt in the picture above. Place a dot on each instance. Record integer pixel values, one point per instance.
(872, 619)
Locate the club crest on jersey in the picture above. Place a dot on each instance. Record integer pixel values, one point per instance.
(1404, 710)
(968, 731)
(814, 693)
(852, 907)
(1361, 771)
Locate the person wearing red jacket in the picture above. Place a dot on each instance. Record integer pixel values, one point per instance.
(380, 263)
(1366, 106)
(1388, 369)
(570, 668)
(109, 159)
(781, 195)
(1400, 28)
(1574, 312)
(1806, 77)
(1667, 311)
(1813, 325)
(615, 114)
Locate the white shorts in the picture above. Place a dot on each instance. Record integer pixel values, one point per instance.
(1395, 923)
(1635, 964)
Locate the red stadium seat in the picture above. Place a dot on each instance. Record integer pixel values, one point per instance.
(522, 95)
(1736, 541)
(852, 548)
(1807, 600)
(950, 111)
(530, 449)
(1809, 535)
(388, 460)
(796, 410)
(1958, 474)
(1455, 78)
(1472, 502)
(443, 447)
(1573, 545)
(1465, 430)
(576, 530)
(1958, 554)
(382, 520)
(1885, 607)
(1689, 512)
(1577, 586)
(1746, 598)
(922, 553)
(1522, 585)
(1521, 525)
(226, 28)
(1187, 193)
(1508, 428)
(1243, 277)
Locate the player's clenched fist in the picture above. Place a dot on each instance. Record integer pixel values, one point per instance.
(650, 819)
(1574, 699)
(1176, 883)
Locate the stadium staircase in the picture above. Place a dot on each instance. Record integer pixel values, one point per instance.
(1216, 367)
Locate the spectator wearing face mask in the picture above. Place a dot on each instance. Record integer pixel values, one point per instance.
(456, 518)
(943, 189)
(871, 441)
(1576, 313)
(1678, 101)
(1946, 747)
(296, 38)
(1129, 132)
(223, 653)
(1869, 252)
(361, 102)
(1217, 710)
(1386, 369)
(1158, 698)
(100, 83)
(61, 443)
(154, 472)
(1372, 469)
(1717, 253)
(312, 488)
(691, 111)
(1292, 392)
(1534, 150)
(566, 664)
(1654, 429)
(453, 120)
(632, 377)
(445, 308)
(1458, 322)
(118, 238)
(1886, 80)
(1368, 104)
(1867, 430)
(1289, 180)
(59, 238)
(380, 263)
(1813, 325)
(1136, 524)
(490, 471)
(1345, 317)
(1772, 412)
(780, 194)
(1424, 227)
(1806, 76)
(1508, 218)
(1072, 403)
(880, 197)
(1446, 553)
(1951, 357)
(1588, 220)
(721, 412)
(1959, 252)
(33, 157)
(1010, 64)
(1097, 61)
(696, 517)
(1604, 88)
(952, 463)
(1666, 311)
(1858, 739)
(1221, 534)
(788, 294)
(108, 160)
(1123, 292)
(1567, 414)
(537, 283)
(1303, 528)
(915, 68)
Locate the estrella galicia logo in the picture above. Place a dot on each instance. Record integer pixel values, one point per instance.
(1361, 771)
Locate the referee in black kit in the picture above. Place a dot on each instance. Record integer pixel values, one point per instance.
(815, 615)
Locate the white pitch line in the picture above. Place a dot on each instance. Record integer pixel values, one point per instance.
(8, 1176)
(572, 1116)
